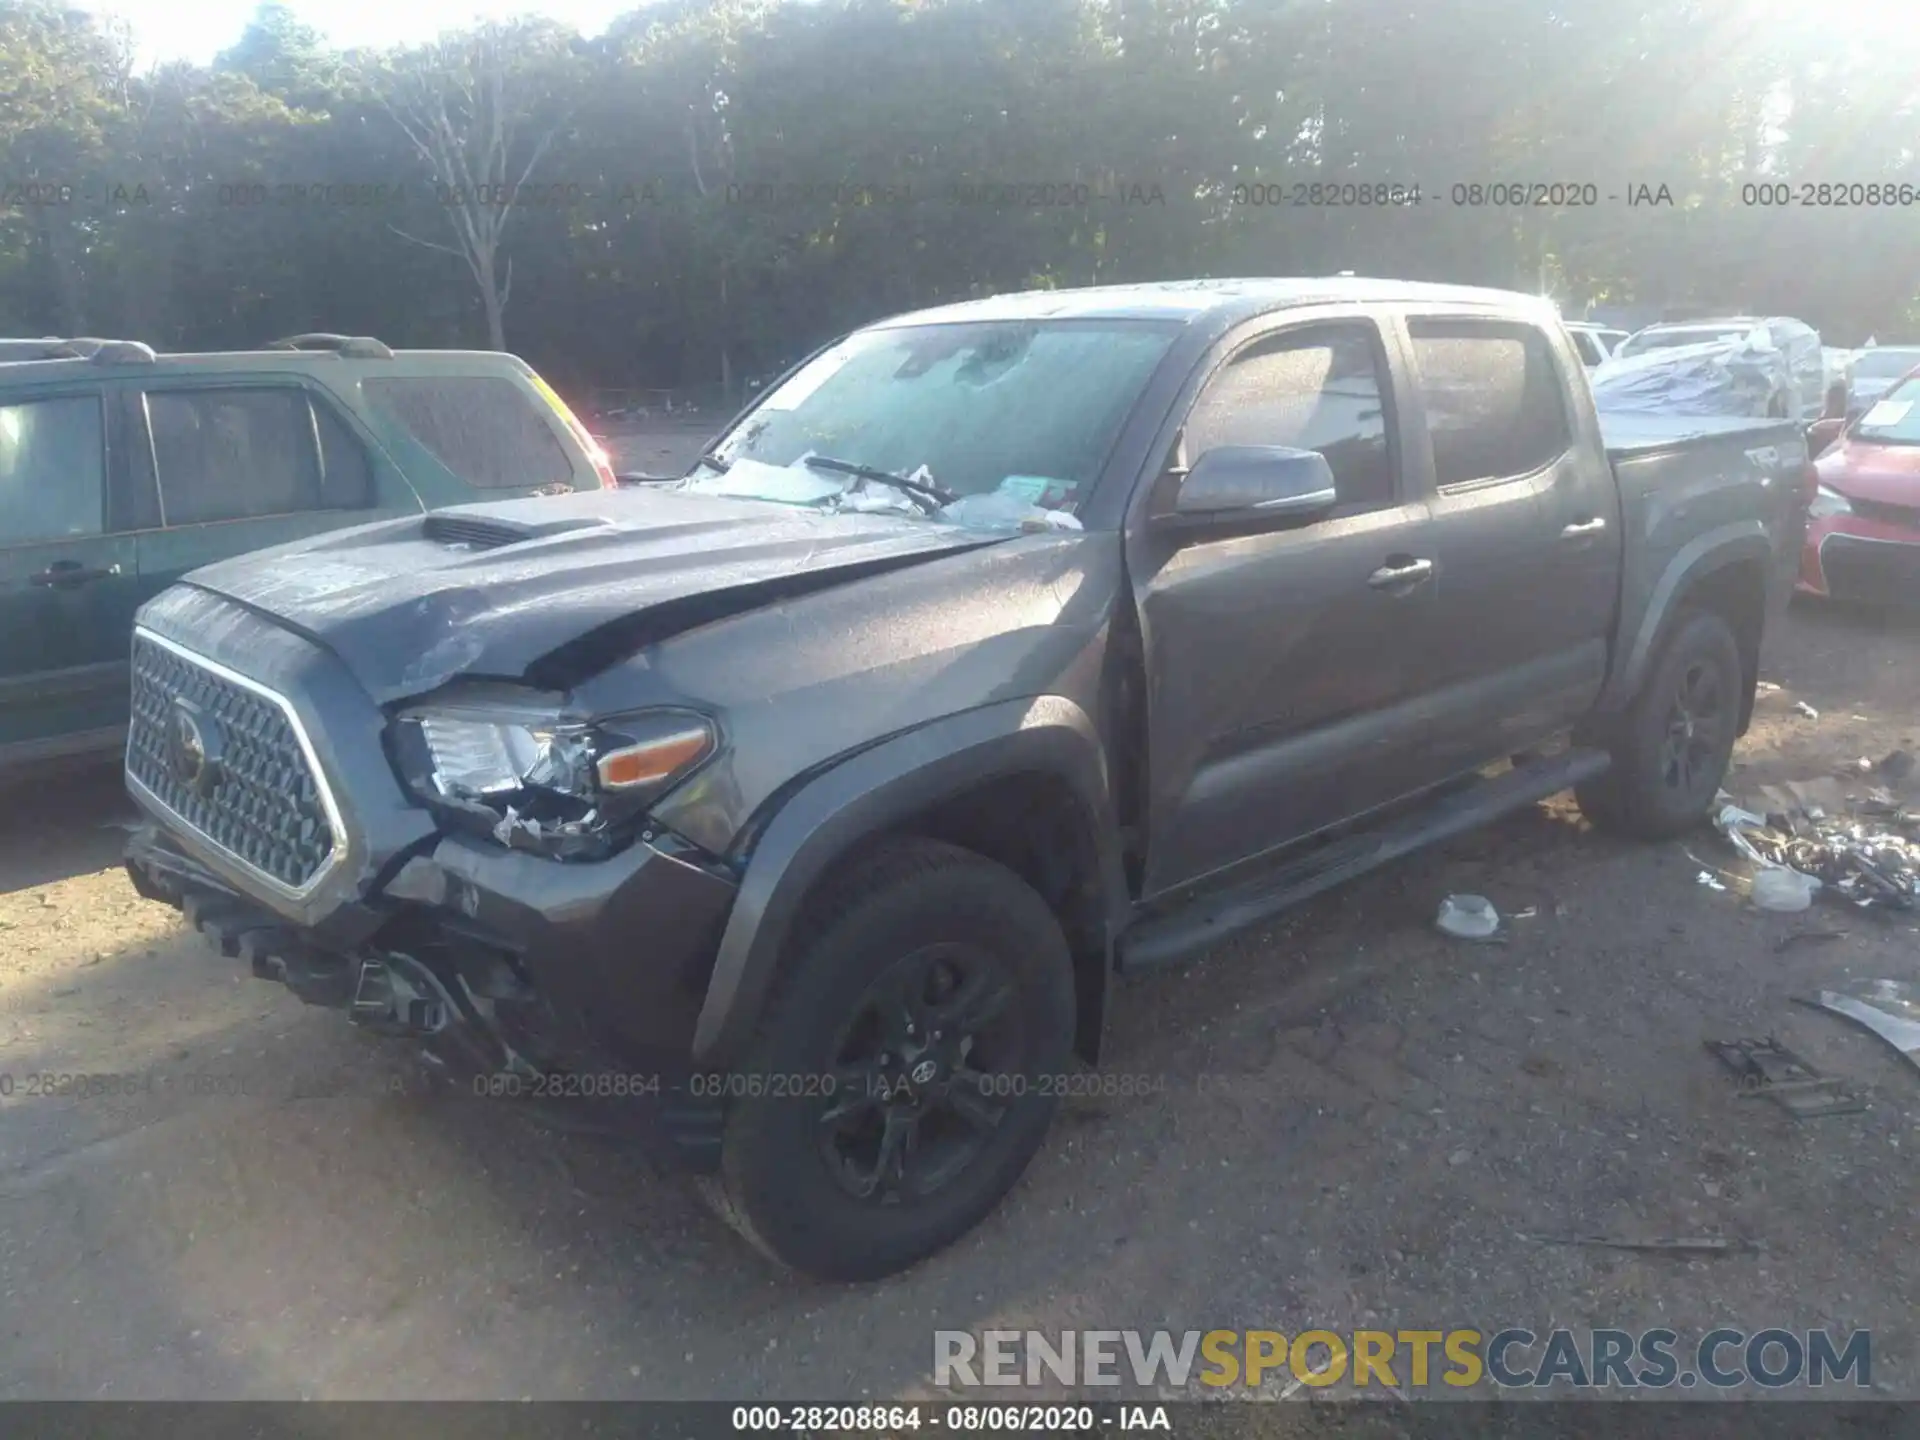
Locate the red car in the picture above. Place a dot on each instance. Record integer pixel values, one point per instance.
(1863, 525)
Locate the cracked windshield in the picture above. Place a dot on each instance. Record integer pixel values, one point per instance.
(986, 424)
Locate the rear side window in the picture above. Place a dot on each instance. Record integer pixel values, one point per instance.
(483, 428)
(53, 463)
(1589, 348)
(242, 454)
(1495, 401)
(1314, 389)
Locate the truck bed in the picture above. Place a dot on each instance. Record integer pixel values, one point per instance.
(1628, 434)
(1684, 476)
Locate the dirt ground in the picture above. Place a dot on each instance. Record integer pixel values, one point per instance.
(1352, 1121)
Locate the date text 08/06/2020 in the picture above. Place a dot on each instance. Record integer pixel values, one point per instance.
(911, 1417)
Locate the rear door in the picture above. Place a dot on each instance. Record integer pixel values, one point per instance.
(67, 584)
(1283, 666)
(1526, 515)
(228, 468)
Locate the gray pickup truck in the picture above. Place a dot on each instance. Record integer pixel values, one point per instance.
(994, 651)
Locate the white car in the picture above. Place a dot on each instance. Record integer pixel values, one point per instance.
(1594, 342)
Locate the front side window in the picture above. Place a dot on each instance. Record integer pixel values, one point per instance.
(1313, 389)
(1495, 402)
(53, 464)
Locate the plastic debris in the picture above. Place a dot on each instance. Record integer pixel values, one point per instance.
(1467, 917)
(1782, 890)
(1767, 1070)
(1709, 879)
(1766, 687)
(1739, 375)
(1868, 864)
(1806, 710)
(1889, 1008)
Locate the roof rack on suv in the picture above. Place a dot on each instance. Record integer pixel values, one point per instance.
(81, 347)
(353, 347)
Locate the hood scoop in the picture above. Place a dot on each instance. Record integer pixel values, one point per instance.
(480, 532)
(472, 533)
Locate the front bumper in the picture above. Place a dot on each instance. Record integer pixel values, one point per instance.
(501, 964)
(1862, 559)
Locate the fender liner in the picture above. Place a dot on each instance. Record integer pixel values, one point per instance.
(1693, 562)
(872, 791)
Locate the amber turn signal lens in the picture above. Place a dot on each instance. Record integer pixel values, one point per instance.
(656, 760)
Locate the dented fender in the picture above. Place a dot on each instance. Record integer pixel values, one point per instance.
(881, 788)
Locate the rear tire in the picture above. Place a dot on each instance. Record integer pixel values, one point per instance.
(1671, 747)
(936, 989)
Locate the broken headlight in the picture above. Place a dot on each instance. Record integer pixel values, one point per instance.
(561, 787)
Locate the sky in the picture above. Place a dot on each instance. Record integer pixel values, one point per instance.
(199, 29)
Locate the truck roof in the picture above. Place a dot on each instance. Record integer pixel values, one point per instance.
(1224, 301)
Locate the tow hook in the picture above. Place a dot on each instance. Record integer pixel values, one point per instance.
(400, 997)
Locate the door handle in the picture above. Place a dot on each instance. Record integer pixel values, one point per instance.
(69, 574)
(1582, 528)
(1404, 575)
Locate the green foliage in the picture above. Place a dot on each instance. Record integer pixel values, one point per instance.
(714, 186)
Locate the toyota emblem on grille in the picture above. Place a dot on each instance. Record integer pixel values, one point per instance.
(195, 748)
(924, 1072)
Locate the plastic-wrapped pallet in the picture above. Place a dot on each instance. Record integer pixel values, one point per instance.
(1745, 376)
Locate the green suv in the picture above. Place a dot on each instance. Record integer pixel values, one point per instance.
(121, 470)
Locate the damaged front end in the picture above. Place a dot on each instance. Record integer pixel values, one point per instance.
(531, 778)
(472, 1008)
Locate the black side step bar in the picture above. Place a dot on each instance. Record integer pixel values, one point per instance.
(1164, 940)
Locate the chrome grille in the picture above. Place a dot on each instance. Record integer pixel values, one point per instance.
(225, 757)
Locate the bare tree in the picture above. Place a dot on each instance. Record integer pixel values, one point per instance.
(482, 118)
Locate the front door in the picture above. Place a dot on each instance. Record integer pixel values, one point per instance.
(1285, 666)
(67, 586)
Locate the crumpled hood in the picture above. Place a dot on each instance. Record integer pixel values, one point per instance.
(551, 589)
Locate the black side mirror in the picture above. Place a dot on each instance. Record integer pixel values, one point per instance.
(1254, 485)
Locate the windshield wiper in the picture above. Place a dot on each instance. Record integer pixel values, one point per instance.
(916, 489)
(715, 462)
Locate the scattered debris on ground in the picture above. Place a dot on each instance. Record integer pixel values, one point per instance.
(1869, 857)
(1805, 709)
(1889, 1008)
(1807, 937)
(1768, 1070)
(1677, 1245)
(1468, 917)
(1785, 891)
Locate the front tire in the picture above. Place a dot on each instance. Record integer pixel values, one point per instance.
(1671, 747)
(898, 1084)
